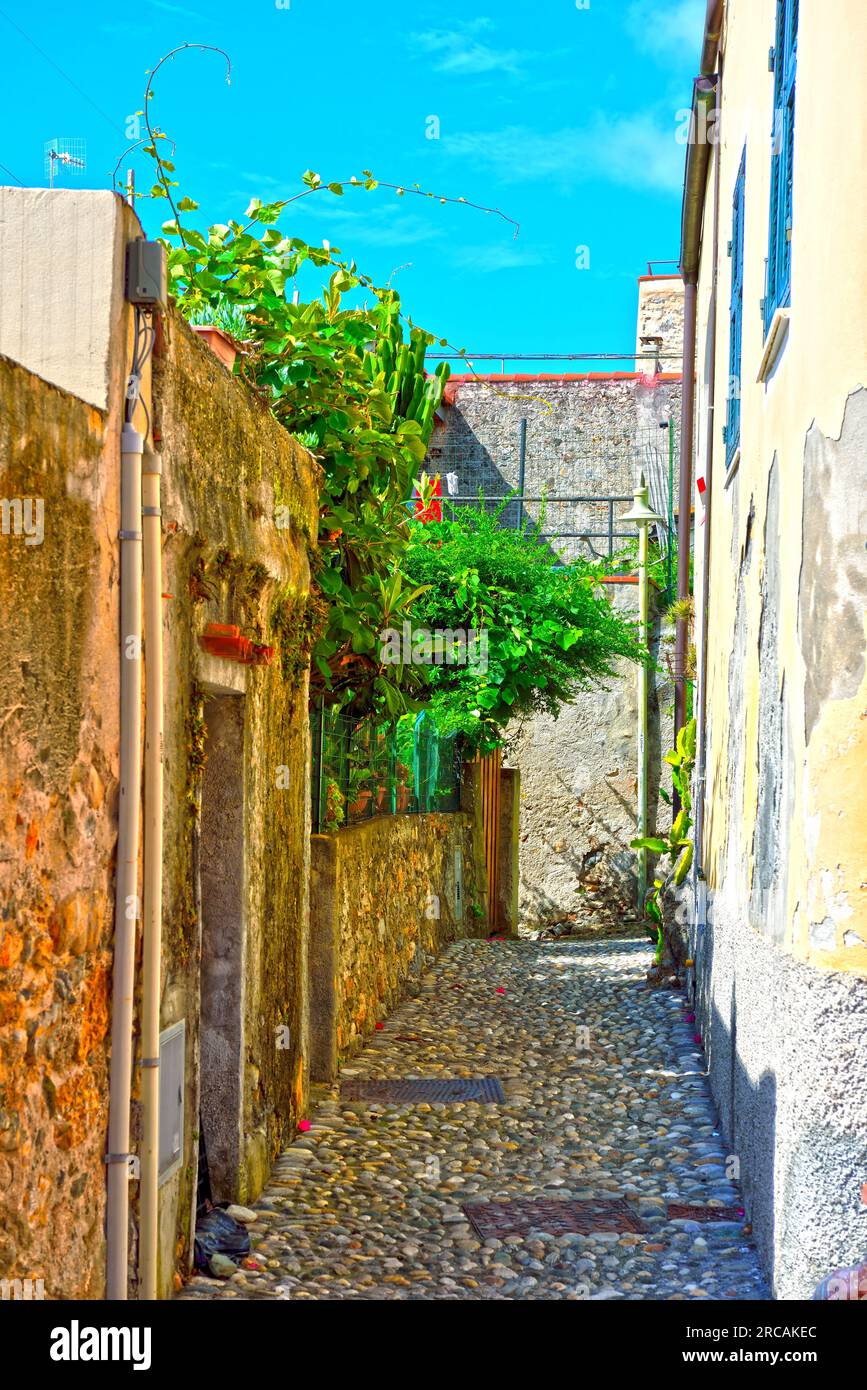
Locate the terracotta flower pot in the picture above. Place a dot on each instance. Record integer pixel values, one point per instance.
(359, 806)
(220, 343)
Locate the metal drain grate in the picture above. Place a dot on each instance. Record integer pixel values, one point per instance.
(678, 1211)
(500, 1219)
(486, 1089)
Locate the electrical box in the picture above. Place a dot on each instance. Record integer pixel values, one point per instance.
(146, 282)
(172, 1068)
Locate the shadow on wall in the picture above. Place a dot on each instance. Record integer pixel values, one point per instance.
(455, 447)
(747, 1110)
(787, 1079)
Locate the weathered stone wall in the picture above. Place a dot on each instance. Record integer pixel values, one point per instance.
(58, 800)
(579, 796)
(781, 950)
(660, 315)
(788, 1071)
(784, 853)
(383, 904)
(587, 436)
(226, 467)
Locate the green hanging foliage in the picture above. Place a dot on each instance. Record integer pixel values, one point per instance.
(543, 630)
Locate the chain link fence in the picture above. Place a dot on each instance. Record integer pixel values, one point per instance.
(366, 769)
(574, 484)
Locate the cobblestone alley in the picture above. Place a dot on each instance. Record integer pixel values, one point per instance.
(604, 1098)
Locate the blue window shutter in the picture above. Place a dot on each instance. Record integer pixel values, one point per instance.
(792, 35)
(732, 431)
(778, 281)
(780, 52)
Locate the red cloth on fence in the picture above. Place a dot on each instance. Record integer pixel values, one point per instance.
(434, 510)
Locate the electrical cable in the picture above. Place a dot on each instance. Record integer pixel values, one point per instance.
(145, 333)
(8, 171)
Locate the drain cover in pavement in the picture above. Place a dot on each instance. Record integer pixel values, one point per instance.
(544, 1214)
(438, 1092)
(678, 1211)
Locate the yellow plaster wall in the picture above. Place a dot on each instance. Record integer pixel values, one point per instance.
(823, 361)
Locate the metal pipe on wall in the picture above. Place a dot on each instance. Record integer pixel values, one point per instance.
(712, 34)
(126, 883)
(152, 875)
(522, 467)
(684, 511)
(702, 614)
(692, 213)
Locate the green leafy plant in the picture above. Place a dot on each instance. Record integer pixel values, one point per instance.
(677, 846)
(221, 313)
(345, 379)
(335, 806)
(550, 628)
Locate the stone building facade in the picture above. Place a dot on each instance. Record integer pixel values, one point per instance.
(585, 437)
(660, 321)
(779, 912)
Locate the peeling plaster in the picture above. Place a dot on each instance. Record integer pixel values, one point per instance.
(833, 585)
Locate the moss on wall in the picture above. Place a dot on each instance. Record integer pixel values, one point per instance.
(387, 889)
(224, 461)
(229, 559)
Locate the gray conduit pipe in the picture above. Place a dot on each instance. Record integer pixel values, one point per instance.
(695, 183)
(703, 608)
(126, 882)
(152, 888)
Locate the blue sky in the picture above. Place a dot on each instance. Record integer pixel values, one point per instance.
(563, 117)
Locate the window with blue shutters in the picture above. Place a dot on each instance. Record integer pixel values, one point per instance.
(784, 57)
(736, 316)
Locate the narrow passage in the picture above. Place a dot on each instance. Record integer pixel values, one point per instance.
(604, 1101)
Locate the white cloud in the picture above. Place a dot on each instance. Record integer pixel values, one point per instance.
(485, 259)
(668, 28)
(460, 52)
(638, 151)
(178, 10)
(369, 220)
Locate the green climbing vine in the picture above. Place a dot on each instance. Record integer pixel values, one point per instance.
(677, 846)
(347, 379)
(548, 629)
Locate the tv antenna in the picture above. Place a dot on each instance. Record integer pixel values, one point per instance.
(64, 156)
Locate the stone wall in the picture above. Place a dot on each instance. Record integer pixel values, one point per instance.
(788, 1071)
(58, 803)
(236, 809)
(781, 945)
(586, 436)
(384, 902)
(784, 849)
(579, 797)
(226, 466)
(660, 315)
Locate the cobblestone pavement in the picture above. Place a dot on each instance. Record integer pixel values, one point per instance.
(368, 1203)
